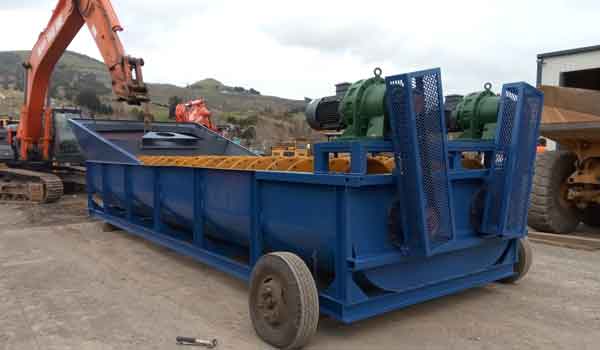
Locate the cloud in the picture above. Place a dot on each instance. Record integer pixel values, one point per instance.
(473, 41)
(298, 49)
(20, 4)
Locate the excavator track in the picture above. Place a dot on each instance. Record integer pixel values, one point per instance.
(26, 186)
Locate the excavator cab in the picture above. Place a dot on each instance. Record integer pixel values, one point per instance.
(65, 148)
(64, 145)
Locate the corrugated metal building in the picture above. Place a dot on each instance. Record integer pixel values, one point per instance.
(577, 68)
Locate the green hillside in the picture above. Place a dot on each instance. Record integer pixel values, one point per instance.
(75, 69)
(277, 118)
(9, 60)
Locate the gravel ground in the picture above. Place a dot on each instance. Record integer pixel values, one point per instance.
(65, 284)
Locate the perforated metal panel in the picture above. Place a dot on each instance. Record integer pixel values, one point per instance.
(512, 171)
(507, 115)
(528, 135)
(415, 101)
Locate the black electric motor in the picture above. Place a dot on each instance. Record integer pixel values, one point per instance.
(323, 113)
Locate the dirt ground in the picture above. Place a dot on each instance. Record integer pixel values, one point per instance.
(65, 284)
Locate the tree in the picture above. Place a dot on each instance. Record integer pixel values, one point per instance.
(69, 94)
(136, 114)
(90, 82)
(20, 81)
(54, 88)
(249, 134)
(88, 98)
(173, 102)
(251, 120)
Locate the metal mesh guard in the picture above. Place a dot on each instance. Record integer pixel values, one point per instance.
(419, 139)
(516, 138)
(527, 137)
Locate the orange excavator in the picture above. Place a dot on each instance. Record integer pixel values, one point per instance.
(195, 111)
(43, 144)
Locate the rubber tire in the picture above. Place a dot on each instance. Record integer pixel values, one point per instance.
(525, 259)
(301, 294)
(591, 215)
(546, 214)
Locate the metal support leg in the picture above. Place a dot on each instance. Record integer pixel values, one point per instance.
(128, 193)
(198, 208)
(91, 190)
(321, 160)
(157, 222)
(105, 191)
(256, 239)
(358, 161)
(341, 246)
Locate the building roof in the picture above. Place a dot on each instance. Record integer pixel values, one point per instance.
(569, 52)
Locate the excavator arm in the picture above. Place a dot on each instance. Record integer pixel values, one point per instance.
(68, 18)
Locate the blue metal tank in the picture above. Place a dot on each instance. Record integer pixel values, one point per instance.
(374, 243)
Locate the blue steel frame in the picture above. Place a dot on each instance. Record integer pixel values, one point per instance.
(359, 151)
(342, 298)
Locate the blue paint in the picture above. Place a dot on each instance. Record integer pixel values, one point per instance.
(339, 223)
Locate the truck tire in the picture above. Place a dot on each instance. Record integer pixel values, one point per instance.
(591, 215)
(549, 211)
(525, 259)
(283, 301)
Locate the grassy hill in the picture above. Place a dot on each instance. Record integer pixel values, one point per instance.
(278, 119)
(10, 62)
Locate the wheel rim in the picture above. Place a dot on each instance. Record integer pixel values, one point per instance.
(271, 301)
(563, 200)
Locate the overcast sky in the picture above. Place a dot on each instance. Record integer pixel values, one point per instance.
(301, 48)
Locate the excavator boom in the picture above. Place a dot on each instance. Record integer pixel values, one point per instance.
(68, 18)
(36, 174)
